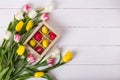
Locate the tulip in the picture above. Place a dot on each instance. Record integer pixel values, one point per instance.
(31, 58)
(17, 38)
(29, 25)
(19, 26)
(49, 7)
(39, 74)
(55, 52)
(32, 14)
(51, 61)
(19, 15)
(45, 17)
(21, 50)
(68, 56)
(7, 35)
(26, 8)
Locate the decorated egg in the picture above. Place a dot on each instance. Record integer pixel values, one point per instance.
(44, 30)
(32, 43)
(52, 35)
(38, 36)
(45, 43)
(39, 49)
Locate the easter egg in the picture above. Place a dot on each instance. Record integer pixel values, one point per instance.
(32, 43)
(45, 43)
(52, 35)
(38, 36)
(39, 49)
(44, 30)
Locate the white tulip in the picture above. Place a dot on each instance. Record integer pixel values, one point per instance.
(55, 52)
(32, 14)
(19, 15)
(49, 7)
(7, 35)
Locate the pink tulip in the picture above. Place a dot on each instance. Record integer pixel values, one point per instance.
(26, 8)
(51, 61)
(17, 38)
(45, 17)
(31, 58)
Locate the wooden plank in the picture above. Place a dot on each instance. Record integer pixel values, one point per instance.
(63, 3)
(86, 72)
(86, 18)
(93, 54)
(90, 37)
(73, 18)
(98, 36)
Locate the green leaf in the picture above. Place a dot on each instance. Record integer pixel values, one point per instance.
(10, 26)
(7, 77)
(40, 10)
(26, 36)
(47, 77)
(18, 74)
(25, 76)
(19, 66)
(3, 72)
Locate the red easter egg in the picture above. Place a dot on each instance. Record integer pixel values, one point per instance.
(38, 36)
(52, 35)
(39, 49)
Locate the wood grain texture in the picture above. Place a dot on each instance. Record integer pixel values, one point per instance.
(89, 28)
(108, 4)
(74, 18)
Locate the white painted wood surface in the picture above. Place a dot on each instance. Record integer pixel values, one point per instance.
(91, 29)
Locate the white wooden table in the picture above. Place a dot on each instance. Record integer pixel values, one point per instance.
(89, 28)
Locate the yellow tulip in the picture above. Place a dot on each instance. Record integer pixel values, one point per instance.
(38, 74)
(21, 50)
(29, 25)
(19, 26)
(68, 56)
(32, 42)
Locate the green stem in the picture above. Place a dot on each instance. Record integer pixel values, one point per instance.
(51, 68)
(4, 43)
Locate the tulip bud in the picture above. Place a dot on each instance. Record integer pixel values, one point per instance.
(51, 61)
(45, 17)
(26, 8)
(7, 35)
(49, 7)
(19, 15)
(19, 26)
(20, 50)
(55, 52)
(39, 74)
(17, 38)
(29, 25)
(32, 14)
(68, 56)
(31, 58)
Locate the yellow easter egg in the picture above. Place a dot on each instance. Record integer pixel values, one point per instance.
(44, 30)
(45, 43)
(32, 43)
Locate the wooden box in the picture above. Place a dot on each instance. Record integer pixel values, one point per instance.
(51, 37)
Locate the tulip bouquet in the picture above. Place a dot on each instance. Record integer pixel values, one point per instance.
(16, 63)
